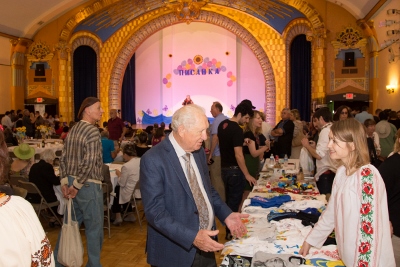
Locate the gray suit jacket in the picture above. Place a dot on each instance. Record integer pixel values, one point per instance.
(173, 220)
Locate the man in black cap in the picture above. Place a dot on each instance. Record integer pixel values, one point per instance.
(248, 102)
(81, 172)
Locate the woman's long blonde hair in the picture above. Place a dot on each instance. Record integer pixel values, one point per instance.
(396, 148)
(249, 126)
(353, 131)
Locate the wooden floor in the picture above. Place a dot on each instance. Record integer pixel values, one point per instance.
(126, 247)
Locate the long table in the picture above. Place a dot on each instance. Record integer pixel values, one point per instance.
(267, 236)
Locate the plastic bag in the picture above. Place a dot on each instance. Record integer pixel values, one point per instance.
(306, 162)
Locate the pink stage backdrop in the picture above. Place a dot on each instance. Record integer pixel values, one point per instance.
(201, 60)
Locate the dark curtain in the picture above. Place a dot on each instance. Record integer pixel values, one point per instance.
(300, 76)
(128, 93)
(85, 75)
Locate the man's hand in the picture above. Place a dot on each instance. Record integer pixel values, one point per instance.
(235, 224)
(69, 192)
(305, 248)
(204, 242)
(118, 172)
(251, 179)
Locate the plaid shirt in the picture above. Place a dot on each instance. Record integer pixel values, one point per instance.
(82, 153)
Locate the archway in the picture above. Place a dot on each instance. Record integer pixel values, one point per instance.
(161, 22)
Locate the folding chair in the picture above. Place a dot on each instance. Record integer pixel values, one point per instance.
(134, 204)
(15, 178)
(38, 207)
(106, 205)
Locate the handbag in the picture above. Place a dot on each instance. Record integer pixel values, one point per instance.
(70, 252)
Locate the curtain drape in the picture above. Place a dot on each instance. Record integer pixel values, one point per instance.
(85, 75)
(128, 93)
(300, 76)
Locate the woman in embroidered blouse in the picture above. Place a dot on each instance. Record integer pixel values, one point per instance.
(25, 242)
(357, 209)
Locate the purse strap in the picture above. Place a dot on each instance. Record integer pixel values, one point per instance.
(68, 208)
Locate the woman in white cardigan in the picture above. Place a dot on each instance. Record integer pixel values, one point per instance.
(127, 179)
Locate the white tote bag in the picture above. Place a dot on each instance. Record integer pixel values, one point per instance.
(70, 252)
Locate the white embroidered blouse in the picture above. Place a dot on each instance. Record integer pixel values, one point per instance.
(358, 212)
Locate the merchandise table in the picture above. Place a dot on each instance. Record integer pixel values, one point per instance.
(282, 212)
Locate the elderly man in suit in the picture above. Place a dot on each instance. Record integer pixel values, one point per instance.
(179, 201)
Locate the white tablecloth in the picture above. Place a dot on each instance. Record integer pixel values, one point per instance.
(38, 150)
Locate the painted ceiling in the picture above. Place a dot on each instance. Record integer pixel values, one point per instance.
(23, 18)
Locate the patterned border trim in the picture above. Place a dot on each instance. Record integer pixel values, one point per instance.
(366, 237)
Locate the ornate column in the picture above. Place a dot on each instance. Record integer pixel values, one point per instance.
(318, 85)
(370, 34)
(18, 50)
(64, 89)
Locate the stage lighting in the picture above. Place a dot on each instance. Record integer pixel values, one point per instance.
(392, 32)
(387, 43)
(393, 11)
(388, 23)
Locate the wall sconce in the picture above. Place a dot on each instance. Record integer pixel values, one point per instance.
(389, 89)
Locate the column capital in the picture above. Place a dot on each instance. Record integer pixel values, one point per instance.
(317, 36)
(63, 49)
(20, 45)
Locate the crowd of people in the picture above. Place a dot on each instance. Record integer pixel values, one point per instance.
(215, 167)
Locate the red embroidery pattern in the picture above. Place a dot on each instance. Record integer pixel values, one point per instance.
(5, 201)
(42, 257)
(366, 219)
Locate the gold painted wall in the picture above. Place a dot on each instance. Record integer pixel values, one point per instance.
(334, 17)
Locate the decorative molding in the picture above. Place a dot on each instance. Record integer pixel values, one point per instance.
(349, 38)
(39, 52)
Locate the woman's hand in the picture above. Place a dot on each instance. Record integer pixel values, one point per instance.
(305, 248)
(118, 173)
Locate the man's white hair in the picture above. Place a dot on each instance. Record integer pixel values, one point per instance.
(186, 116)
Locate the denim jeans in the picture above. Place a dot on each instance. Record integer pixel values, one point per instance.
(88, 206)
(234, 182)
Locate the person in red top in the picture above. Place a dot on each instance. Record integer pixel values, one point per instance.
(116, 127)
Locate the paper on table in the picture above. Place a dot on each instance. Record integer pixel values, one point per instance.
(114, 167)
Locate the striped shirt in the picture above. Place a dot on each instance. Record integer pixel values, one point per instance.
(82, 153)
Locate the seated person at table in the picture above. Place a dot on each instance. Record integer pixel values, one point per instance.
(58, 128)
(43, 176)
(158, 136)
(22, 164)
(127, 179)
(109, 151)
(141, 145)
(64, 132)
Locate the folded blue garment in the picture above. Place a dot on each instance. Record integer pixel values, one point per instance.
(269, 202)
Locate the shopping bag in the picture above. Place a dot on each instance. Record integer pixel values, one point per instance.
(306, 162)
(70, 252)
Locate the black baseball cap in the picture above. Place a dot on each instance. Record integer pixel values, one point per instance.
(247, 102)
